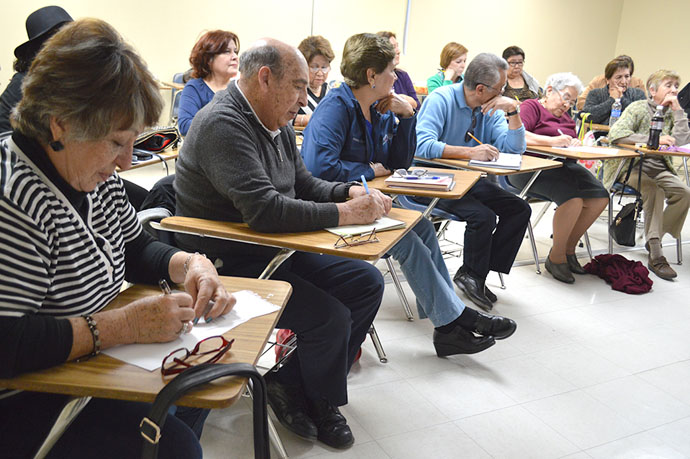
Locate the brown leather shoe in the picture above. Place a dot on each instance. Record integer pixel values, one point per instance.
(661, 268)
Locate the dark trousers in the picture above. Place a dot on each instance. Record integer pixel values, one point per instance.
(489, 246)
(104, 429)
(333, 303)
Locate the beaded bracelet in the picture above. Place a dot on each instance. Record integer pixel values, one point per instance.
(185, 267)
(91, 322)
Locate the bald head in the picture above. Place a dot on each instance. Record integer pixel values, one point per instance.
(274, 54)
(274, 80)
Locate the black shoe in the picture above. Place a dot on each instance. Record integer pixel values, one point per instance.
(460, 341)
(289, 406)
(496, 326)
(490, 295)
(560, 271)
(474, 289)
(574, 265)
(331, 424)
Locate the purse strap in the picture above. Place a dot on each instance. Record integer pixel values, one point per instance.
(639, 179)
(150, 427)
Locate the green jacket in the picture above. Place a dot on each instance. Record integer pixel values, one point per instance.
(633, 127)
(438, 80)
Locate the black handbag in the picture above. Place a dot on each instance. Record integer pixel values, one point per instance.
(158, 139)
(150, 426)
(622, 228)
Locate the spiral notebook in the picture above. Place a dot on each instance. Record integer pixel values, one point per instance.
(505, 161)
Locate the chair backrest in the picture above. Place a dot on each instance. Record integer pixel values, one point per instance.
(505, 184)
(175, 98)
(159, 204)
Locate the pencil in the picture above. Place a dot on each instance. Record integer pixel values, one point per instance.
(478, 141)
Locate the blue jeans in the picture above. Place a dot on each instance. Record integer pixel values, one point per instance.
(422, 263)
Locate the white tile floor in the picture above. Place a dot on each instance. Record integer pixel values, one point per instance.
(590, 373)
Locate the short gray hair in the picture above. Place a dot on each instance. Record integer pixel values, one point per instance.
(560, 81)
(261, 55)
(484, 69)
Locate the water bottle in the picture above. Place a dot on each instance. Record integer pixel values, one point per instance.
(616, 109)
(655, 128)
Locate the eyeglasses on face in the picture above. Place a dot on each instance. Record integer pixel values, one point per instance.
(516, 63)
(320, 69)
(181, 359)
(565, 99)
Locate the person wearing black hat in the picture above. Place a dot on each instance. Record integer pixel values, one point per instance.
(40, 26)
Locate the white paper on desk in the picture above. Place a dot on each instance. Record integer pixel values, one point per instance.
(593, 150)
(504, 161)
(150, 356)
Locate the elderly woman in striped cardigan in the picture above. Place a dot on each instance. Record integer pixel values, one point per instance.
(70, 238)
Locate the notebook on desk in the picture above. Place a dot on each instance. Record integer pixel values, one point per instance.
(505, 161)
(440, 181)
(382, 224)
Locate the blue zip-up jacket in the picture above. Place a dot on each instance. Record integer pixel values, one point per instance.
(338, 147)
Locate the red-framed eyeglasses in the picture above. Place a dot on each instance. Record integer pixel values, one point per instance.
(181, 359)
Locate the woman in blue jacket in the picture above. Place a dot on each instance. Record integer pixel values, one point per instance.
(214, 60)
(363, 129)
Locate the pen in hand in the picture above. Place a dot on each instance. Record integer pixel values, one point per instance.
(165, 288)
(364, 182)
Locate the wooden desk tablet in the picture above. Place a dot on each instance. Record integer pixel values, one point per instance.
(605, 153)
(107, 377)
(529, 164)
(311, 241)
(162, 157)
(649, 151)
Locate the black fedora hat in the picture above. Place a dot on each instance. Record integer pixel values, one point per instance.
(39, 24)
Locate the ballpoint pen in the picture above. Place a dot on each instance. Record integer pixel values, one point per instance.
(165, 288)
(364, 182)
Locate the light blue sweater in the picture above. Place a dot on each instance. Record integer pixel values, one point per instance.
(445, 117)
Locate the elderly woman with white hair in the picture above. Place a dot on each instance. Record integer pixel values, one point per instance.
(659, 181)
(579, 195)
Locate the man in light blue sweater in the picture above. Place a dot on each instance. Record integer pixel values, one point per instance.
(451, 122)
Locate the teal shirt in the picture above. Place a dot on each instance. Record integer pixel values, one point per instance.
(437, 81)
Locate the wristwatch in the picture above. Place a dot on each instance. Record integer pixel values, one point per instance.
(514, 112)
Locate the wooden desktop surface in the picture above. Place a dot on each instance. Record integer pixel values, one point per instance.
(571, 154)
(648, 151)
(464, 180)
(598, 127)
(312, 241)
(166, 156)
(106, 377)
(529, 164)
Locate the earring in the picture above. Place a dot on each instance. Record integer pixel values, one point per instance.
(373, 86)
(56, 145)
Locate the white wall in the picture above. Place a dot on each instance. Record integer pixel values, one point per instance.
(557, 35)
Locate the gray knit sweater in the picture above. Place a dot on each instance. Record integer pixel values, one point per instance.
(231, 168)
(599, 103)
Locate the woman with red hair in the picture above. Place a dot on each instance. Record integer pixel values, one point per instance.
(214, 59)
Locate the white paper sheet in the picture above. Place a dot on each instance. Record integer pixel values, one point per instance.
(150, 356)
(593, 150)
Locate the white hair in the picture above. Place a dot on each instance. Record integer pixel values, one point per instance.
(560, 81)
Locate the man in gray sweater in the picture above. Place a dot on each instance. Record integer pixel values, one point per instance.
(240, 163)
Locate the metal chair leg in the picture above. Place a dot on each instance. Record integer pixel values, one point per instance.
(377, 344)
(534, 246)
(399, 289)
(610, 220)
(275, 439)
(679, 250)
(588, 245)
(503, 284)
(68, 414)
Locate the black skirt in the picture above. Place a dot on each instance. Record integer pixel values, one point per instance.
(562, 184)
